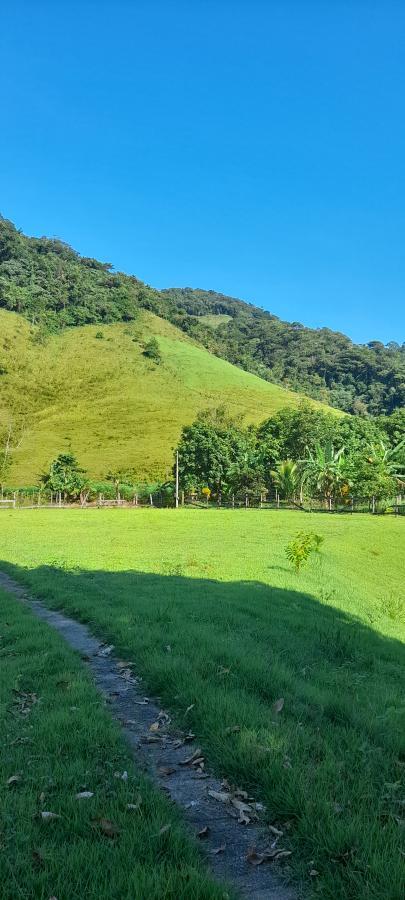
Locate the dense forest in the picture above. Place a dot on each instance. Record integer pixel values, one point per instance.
(53, 286)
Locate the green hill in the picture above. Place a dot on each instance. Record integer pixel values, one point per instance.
(51, 285)
(92, 388)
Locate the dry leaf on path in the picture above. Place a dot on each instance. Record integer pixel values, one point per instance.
(278, 705)
(105, 651)
(191, 759)
(218, 850)
(269, 854)
(204, 832)
(222, 796)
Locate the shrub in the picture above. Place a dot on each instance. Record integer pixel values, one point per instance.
(151, 350)
(300, 548)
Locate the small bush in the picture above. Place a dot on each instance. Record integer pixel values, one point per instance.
(151, 350)
(99, 335)
(300, 548)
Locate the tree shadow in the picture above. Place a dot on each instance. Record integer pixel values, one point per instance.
(275, 641)
(219, 654)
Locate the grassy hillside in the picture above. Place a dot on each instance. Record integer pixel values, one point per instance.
(53, 286)
(93, 389)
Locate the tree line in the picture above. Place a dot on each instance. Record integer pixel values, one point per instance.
(299, 453)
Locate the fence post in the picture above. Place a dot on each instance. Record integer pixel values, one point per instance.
(373, 504)
(233, 501)
(151, 499)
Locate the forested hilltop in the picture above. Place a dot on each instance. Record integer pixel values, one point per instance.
(53, 286)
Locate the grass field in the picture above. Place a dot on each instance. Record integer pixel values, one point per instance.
(58, 741)
(244, 631)
(105, 399)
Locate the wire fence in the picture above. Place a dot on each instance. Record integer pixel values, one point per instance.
(163, 499)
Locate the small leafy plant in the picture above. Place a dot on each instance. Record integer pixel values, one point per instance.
(301, 547)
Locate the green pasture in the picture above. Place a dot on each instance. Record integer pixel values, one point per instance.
(220, 627)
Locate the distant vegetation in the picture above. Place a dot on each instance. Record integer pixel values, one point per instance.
(53, 286)
(300, 453)
(322, 363)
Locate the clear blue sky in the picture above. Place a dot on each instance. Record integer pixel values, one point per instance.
(256, 148)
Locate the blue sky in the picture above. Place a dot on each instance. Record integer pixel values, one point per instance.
(255, 148)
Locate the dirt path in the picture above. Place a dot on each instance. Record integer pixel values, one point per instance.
(162, 752)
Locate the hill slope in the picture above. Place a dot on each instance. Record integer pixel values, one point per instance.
(322, 363)
(52, 285)
(93, 389)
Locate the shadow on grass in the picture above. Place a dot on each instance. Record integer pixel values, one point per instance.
(219, 654)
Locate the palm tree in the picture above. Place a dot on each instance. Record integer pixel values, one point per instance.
(286, 479)
(324, 469)
(385, 457)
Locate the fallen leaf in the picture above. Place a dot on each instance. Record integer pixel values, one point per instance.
(134, 806)
(107, 827)
(275, 830)
(245, 811)
(278, 705)
(269, 854)
(232, 729)
(106, 650)
(189, 708)
(84, 795)
(165, 771)
(313, 873)
(204, 832)
(14, 779)
(154, 727)
(123, 776)
(222, 796)
(164, 829)
(218, 850)
(191, 759)
(47, 816)
(168, 648)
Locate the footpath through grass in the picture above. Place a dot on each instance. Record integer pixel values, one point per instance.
(58, 741)
(221, 628)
